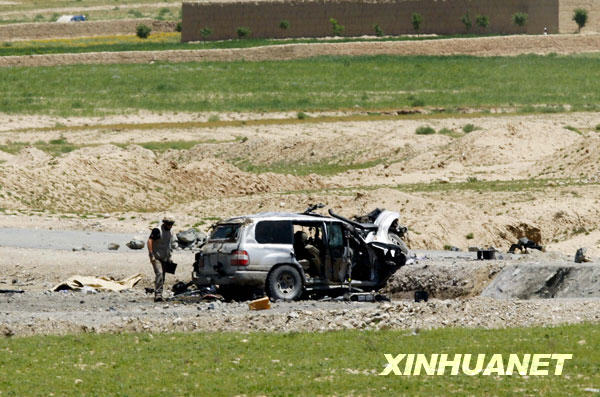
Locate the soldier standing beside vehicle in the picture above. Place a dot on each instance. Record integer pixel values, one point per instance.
(159, 249)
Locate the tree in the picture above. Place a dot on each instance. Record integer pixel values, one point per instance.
(205, 32)
(520, 18)
(482, 21)
(142, 31)
(466, 20)
(284, 24)
(336, 27)
(417, 19)
(580, 16)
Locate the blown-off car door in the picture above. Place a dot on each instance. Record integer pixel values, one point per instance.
(337, 249)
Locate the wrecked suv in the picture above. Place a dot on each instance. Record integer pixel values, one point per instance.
(288, 254)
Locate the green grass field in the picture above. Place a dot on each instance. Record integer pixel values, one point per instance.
(318, 83)
(338, 363)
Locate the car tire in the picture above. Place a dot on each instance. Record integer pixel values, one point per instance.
(396, 240)
(284, 283)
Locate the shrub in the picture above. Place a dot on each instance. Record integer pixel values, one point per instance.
(470, 236)
(205, 32)
(378, 30)
(469, 128)
(135, 13)
(243, 32)
(285, 24)
(142, 31)
(597, 127)
(416, 20)
(178, 27)
(416, 102)
(520, 18)
(446, 131)
(424, 130)
(482, 21)
(336, 27)
(580, 17)
(302, 116)
(466, 20)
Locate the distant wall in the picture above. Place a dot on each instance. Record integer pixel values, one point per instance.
(565, 15)
(311, 18)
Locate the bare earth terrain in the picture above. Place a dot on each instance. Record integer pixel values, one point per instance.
(513, 176)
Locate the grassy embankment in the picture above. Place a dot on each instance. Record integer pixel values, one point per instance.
(340, 363)
(369, 84)
(162, 41)
(323, 83)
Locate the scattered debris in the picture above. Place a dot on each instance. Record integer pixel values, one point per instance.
(451, 248)
(523, 244)
(260, 304)
(581, 256)
(135, 244)
(366, 297)
(89, 290)
(113, 246)
(98, 283)
(82, 248)
(486, 254)
(421, 296)
(180, 287)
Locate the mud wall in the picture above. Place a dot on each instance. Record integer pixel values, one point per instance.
(566, 10)
(311, 18)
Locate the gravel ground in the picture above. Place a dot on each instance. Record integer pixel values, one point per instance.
(133, 311)
(453, 279)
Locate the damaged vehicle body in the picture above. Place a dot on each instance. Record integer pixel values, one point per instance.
(288, 255)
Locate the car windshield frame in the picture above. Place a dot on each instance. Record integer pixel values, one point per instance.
(232, 235)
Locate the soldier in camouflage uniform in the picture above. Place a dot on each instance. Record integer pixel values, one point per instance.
(159, 249)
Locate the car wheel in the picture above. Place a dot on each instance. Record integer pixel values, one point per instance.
(396, 240)
(284, 283)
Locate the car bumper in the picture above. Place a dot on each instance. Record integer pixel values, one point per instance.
(244, 278)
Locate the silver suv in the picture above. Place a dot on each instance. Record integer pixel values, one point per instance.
(288, 254)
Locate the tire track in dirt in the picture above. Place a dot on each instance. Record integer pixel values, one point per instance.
(482, 46)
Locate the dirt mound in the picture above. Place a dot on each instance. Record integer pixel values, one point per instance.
(546, 281)
(443, 281)
(105, 178)
(482, 46)
(579, 160)
(494, 145)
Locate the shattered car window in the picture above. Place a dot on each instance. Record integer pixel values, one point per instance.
(225, 232)
(274, 232)
(336, 235)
